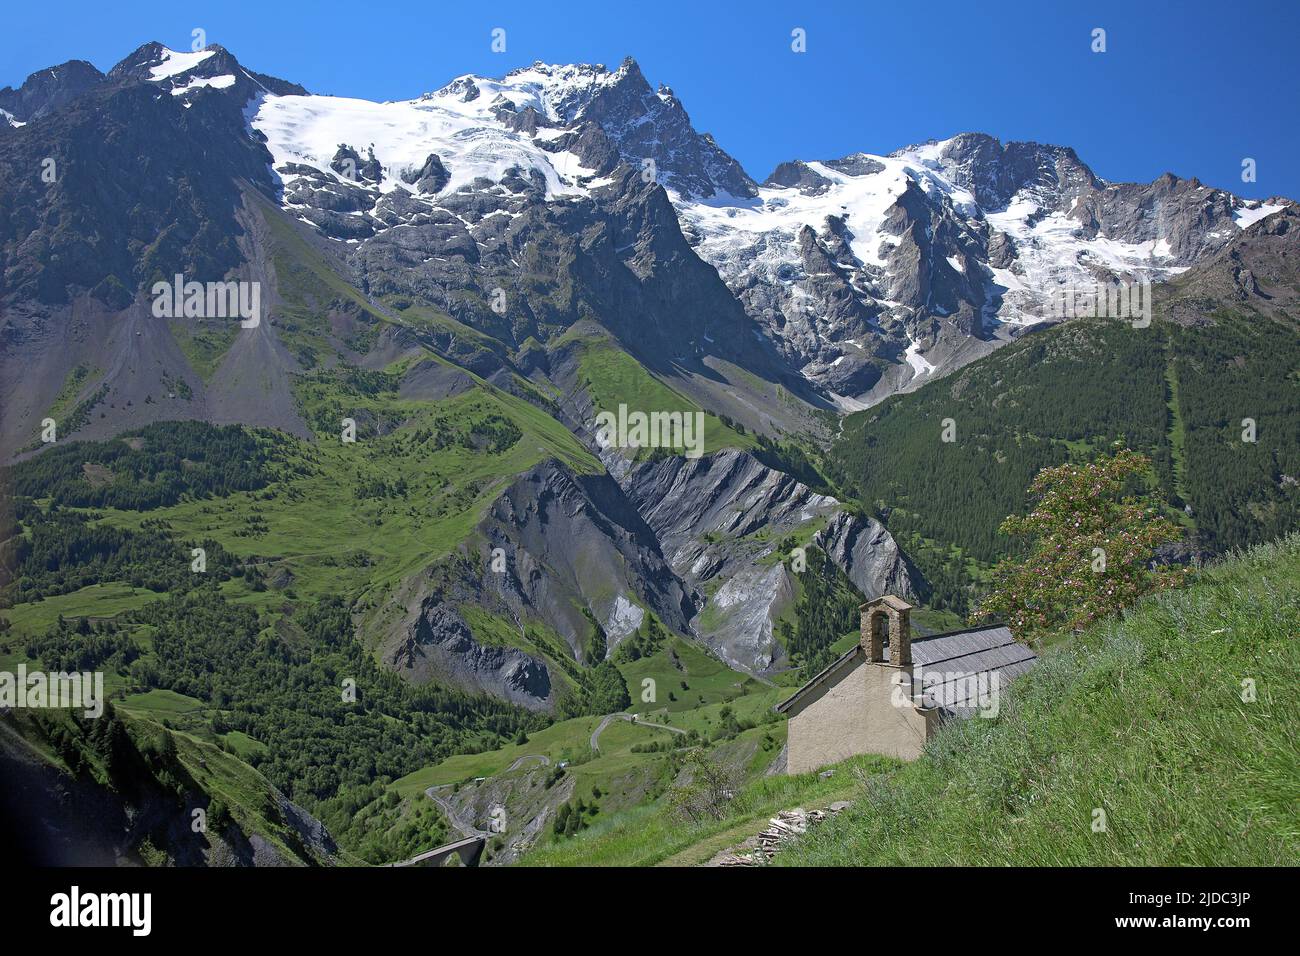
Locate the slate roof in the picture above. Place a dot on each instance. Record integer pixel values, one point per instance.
(951, 660)
(957, 656)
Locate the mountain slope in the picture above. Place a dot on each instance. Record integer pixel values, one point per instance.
(1182, 390)
(525, 206)
(440, 275)
(127, 791)
(47, 90)
(865, 274)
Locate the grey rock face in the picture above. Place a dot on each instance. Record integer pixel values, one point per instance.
(441, 645)
(729, 495)
(346, 162)
(48, 90)
(747, 604)
(421, 633)
(647, 125)
(798, 175)
(720, 517)
(869, 555)
(429, 178)
(617, 254)
(995, 173)
(1182, 215)
(1256, 271)
(574, 544)
(859, 164)
(671, 532)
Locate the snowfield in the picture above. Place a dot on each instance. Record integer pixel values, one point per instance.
(174, 64)
(470, 143)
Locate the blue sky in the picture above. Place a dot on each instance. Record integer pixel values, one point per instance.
(1191, 87)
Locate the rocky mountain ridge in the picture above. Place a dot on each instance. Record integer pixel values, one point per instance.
(874, 274)
(695, 542)
(859, 276)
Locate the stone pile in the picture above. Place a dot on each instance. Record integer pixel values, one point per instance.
(786, 825)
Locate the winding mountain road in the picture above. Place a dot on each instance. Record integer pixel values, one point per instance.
(467, 829)
(542, 761)
(464, 827)
(610, 718)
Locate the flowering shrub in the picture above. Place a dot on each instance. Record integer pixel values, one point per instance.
(1091, 551)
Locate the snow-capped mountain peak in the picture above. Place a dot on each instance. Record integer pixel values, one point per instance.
(155, 62)
(872, 272)
(641, 125)
(558, 93)
(172, 63)
(181, 73)
(549, 130)
(867, 273)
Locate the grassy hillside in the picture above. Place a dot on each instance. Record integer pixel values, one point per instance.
(650, 835)
(248, 657)
(611, 377)
(635, 763)
(1177, 393)
(1142, 718)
